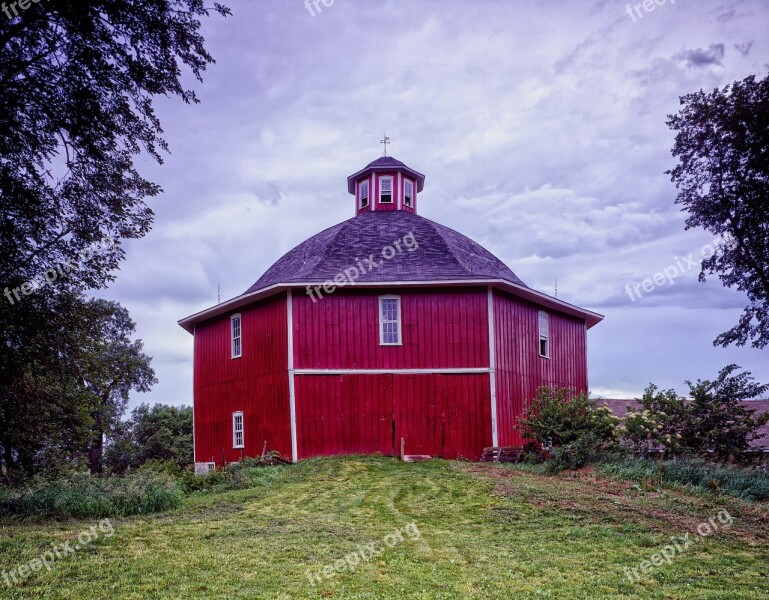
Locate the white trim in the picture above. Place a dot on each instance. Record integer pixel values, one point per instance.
(492, 369)
(399, 197)
(392, 190)
(372, 201)
(194, 439)
(399, 321)
(239, 338)
(291, 391)
(457, 371)
(235, 445)
(518, 290)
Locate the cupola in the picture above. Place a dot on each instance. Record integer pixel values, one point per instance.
(385, 184)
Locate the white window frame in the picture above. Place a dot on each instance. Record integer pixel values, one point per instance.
(235, 430)
(398, 321)
(236, 341)
(543, 327)
(363, 185)
(408, 199)
(392, 191)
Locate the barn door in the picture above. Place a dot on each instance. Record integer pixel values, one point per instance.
(417, 414)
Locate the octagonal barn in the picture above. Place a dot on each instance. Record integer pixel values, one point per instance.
(387, 326)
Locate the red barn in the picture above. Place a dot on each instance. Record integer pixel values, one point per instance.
(383, 327)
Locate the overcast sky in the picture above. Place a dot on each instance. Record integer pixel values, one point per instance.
(540, 127)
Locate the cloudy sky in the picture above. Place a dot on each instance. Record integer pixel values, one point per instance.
(540, 127)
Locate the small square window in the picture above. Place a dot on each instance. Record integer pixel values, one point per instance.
(386, 190)
(237, 430)
(363, 193)
(235, 330)
(390, 321)
(408, 193)
(544, 334)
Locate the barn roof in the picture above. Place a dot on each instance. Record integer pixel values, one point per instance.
(442, 254)
(386, 163)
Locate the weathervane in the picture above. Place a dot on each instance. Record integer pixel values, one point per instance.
(385, 141)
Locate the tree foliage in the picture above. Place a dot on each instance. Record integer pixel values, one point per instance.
(78, 79)
(572, 424)
(158, 433)
(722, 177)
(60, 409)
(712, 423)
(77, 82)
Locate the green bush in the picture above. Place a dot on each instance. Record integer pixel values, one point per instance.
(748, 483)
(81, 495)
(576, 429)
(713, 424)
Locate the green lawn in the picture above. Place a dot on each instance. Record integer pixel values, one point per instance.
(479, 531)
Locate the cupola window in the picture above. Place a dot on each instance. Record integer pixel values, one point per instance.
(363, 192)
(386, 190)
(408, 193)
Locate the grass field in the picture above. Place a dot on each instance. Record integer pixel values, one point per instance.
(468, 531)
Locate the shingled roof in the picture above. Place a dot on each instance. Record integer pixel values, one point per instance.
(442, 255)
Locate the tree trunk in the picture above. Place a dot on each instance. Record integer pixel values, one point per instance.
(96, 448)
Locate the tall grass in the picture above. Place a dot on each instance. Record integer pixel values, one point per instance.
(81, 495)
(747, 483)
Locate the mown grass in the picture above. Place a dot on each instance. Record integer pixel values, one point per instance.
(487, 531)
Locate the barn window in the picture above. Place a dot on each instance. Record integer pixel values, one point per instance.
(363, 192)
(544, 334)
(389, 320)
(237, 430)
(408, 193)
(237, 346)
(386, 190)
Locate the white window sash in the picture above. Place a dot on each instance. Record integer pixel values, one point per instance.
(236, 336)
(238, 434)
(389, 327)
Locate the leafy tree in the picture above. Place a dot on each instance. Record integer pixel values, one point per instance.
(77, 83)
(717, 421)
(111, 367)
(713, 423)
(62, 408)
(158, 433)
(722, 143)
(78, 79)
(572, 424)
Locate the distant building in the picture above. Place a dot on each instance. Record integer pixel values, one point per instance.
(387, 326)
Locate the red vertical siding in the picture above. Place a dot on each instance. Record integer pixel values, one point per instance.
(440, 328)
(436, 414)
(519, 368)
(343, 414)
(256, 383)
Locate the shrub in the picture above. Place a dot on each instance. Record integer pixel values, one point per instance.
(216, 481)
(573, 425)
(712, 424)
(81, 495)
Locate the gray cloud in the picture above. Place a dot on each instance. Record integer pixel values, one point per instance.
(700, 57)
(540, 127)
